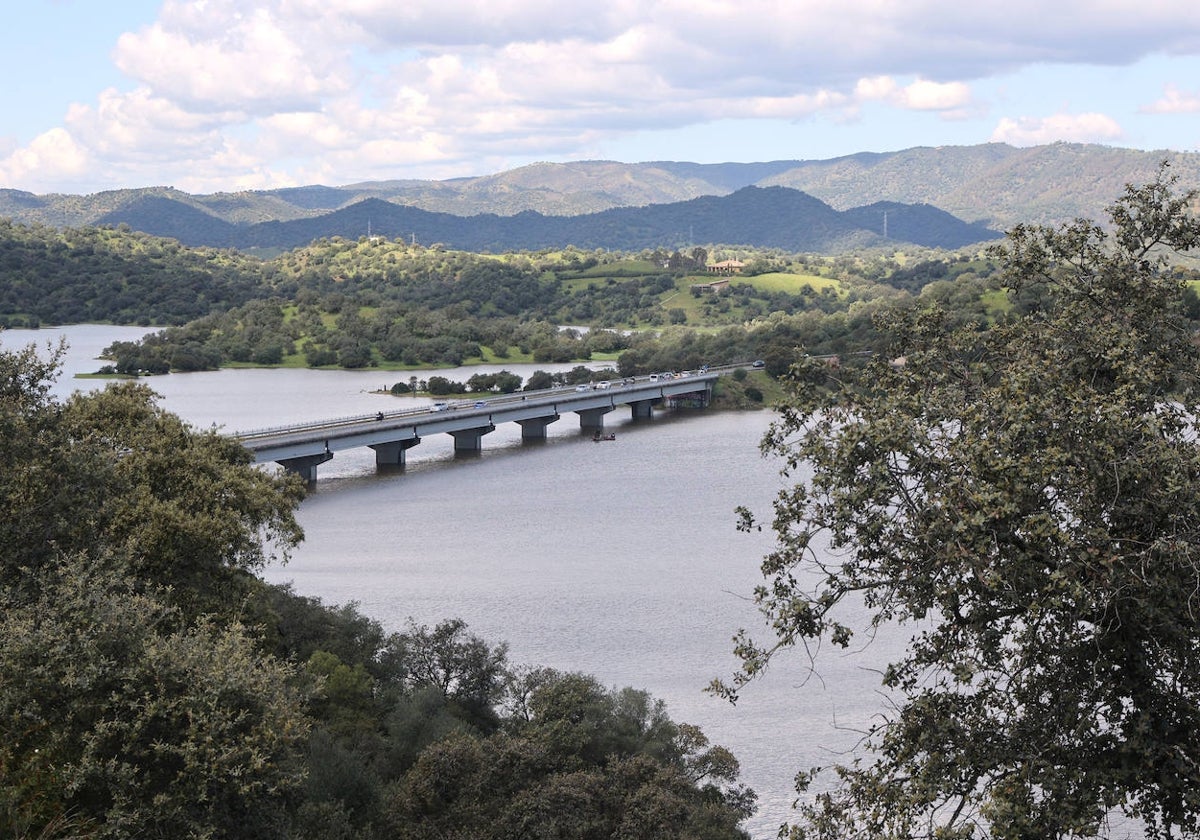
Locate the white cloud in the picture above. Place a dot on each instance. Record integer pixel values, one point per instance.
(142, 124)
(793, 107)
(475, 23)
(1074, 128)
(286, 88)
(876, 88)
(226, 59)
(921, 95)
(1174, 101)
(51, 156)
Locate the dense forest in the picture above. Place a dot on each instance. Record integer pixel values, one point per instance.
(97, 274)
(392, 304)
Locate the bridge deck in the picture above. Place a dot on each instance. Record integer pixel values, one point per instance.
(304, 445)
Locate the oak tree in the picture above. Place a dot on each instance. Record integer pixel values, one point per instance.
(118, 719)
(133, 701)
(587, 762)
(1023, 503)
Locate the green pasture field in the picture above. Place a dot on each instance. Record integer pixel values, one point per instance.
(779, 281)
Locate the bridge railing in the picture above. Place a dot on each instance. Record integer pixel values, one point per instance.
(418, 411)
(310, 426)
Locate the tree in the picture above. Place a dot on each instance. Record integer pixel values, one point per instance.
(118, 717)
(507, 382)
(466, 670)
(132, 700)
(180, 507)
(539, 380)
(1025, 502)
(440, 386)
(583, 762)
(481, 382)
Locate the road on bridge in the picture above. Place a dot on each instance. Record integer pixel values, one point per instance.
(303, 446)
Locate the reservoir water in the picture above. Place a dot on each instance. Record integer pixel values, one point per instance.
(619, 559)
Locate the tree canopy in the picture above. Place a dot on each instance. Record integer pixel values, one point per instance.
(133, 701)
(1023, 503)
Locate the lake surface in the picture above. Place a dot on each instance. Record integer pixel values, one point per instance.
(619, 559)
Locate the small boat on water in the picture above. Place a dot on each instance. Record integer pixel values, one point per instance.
(596, 438)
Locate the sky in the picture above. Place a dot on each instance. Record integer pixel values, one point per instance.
(227, 95)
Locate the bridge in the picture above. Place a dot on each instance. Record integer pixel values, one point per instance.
(303, 447)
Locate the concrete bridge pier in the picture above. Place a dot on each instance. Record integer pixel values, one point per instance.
(470, 440)
(534, 428)
(642, 409)
(306, 465)
(391, 454)
(593, 418)
(694, 399)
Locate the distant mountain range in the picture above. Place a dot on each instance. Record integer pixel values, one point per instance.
(773, 217)
(939, 197)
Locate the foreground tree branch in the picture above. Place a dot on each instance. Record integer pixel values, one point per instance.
(1025, 502)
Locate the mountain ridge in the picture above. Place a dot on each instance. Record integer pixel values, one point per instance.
(769, 217)
(990, 185)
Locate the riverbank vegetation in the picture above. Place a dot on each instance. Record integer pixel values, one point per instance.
(743, 389)
(151, 685)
